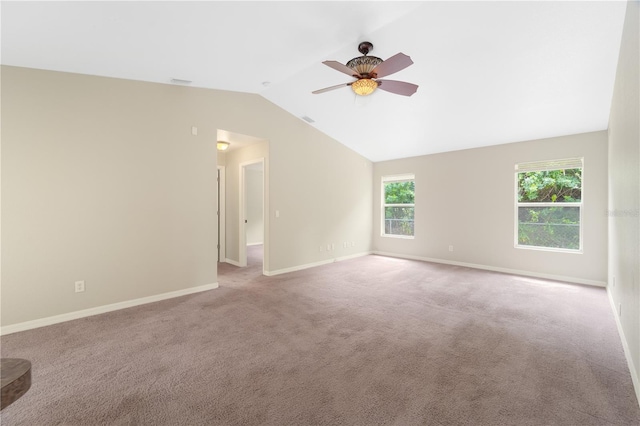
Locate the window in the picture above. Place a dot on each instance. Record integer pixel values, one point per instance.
(398, 198)
(549, 205)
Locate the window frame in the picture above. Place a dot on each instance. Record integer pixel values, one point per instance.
(551, 165)
(407, 177)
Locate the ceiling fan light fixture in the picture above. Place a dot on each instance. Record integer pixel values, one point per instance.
(367, 70)
(364, 86)
(222, 146)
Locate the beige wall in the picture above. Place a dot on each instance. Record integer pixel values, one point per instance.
(624, 191)
(327, 200)
(222, 158)
(466, 199)
(103, 181)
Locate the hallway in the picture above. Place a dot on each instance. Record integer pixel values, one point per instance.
(229, 274)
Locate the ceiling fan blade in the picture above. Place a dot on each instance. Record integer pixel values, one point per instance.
(326, 89)
(397, 87)
(341, 67)
(397, 62)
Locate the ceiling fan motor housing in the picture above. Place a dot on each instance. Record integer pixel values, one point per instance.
(363, 65)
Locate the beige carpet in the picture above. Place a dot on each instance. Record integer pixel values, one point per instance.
(369, 341)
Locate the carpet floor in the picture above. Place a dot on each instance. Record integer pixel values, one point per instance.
(368, 341)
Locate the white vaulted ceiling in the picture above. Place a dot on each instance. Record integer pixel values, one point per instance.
(489, 72)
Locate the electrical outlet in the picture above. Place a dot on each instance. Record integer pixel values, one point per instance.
(450, 248)
(79, 286)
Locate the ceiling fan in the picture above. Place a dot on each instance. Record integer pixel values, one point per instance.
(368, 69)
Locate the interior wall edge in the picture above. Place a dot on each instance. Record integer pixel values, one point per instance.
(635, 378)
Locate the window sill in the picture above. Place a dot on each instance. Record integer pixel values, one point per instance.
(549, 249)
(402, 237)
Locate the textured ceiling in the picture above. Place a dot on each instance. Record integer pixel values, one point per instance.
(489, 72)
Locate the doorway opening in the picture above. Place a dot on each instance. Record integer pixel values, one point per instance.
(221, 214)
(252, 217)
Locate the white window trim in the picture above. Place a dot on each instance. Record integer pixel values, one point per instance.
(395, 178)
(537, 166)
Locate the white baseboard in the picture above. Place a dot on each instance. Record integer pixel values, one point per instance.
(627, 352)
(233, 262)
(42, 322)
(314, 264)
(497, 269)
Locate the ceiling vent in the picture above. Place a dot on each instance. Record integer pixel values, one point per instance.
(180, 81)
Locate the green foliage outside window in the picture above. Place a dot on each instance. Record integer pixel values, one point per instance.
(550, 186)
(399, 192)
(399, 219)
(556, 222)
